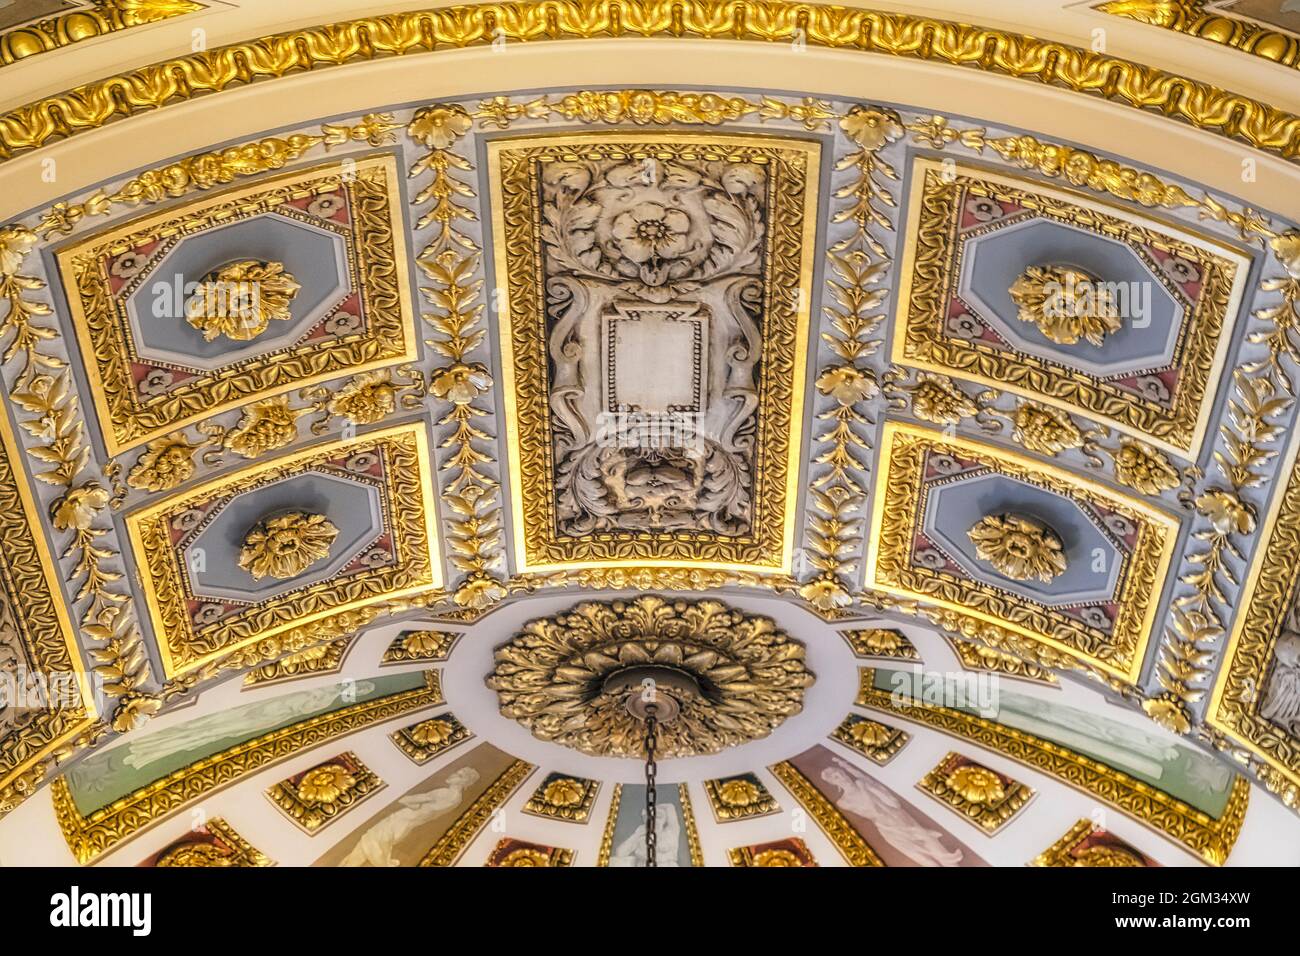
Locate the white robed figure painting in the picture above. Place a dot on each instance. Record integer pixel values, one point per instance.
(863, 797)
(378, 845)
(668, 836)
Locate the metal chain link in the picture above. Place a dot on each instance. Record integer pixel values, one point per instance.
(651, 743)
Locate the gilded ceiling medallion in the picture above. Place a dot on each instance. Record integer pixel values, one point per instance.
(1019, 547)
(568, 678)
(286, 545)
(1066, 304)
(240, 299)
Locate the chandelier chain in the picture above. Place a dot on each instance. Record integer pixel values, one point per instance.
(651, 769)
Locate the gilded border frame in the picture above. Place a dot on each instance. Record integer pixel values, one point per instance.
(1270, 586)
(890, 542)
(414, 524)
(926, 278)
(792, 218)
(96, 833)
(889, 34)
(1209, 838)
(381, 254)
(41, 617)
(855, 850)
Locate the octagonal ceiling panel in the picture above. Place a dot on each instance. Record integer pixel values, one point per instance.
(1165, 300)
(179, 314)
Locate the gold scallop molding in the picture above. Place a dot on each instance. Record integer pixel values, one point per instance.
(1204, 106)
(1195, 18)
(99, 18)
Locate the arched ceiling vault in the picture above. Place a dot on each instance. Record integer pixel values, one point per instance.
(569, 346)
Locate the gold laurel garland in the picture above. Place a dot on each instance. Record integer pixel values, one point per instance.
(92, 105)
(450, 262)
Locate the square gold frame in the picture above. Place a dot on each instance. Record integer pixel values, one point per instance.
(1262, 606)
(30, 580)
(525, 373)
(925, 277)
(894, 518)
(418, 568)
(381, 256)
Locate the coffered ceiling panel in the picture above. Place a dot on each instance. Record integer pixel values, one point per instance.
(987, 260)
(926, 460)
(657, 294)
(240, 295)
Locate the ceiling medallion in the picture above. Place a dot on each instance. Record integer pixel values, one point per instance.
(240, 299)
(286, 545)
(1019, 547)
(720, 677)
(1066, 304)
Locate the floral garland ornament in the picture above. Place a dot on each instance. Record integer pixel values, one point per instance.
(43, 389)
(450, 262)
(858, 264)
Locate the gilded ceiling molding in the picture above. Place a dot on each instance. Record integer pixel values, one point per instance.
(791, 851)
(1041, 429)
(946, 329)
(1085, 844)
(512, 852)
(197, 626)
(741, 797)
(1255, 701)
(91, 835)
(918, 464)
(37, 641)
(310, 662)
(87, 20)
(601, 474)
(421, 646)
(1212, 21)
(451, 262)
(215, 844)
(1262, 390)
(431, 737)
(563, 797)
(856, 267)
(1209, 838)
(838, 830)
(978, 657)
(137, 395)
(870, 738)
(458, 836)
(558, 668)
(892, 34)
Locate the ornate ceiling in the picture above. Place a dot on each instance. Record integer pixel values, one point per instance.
(371, 431)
